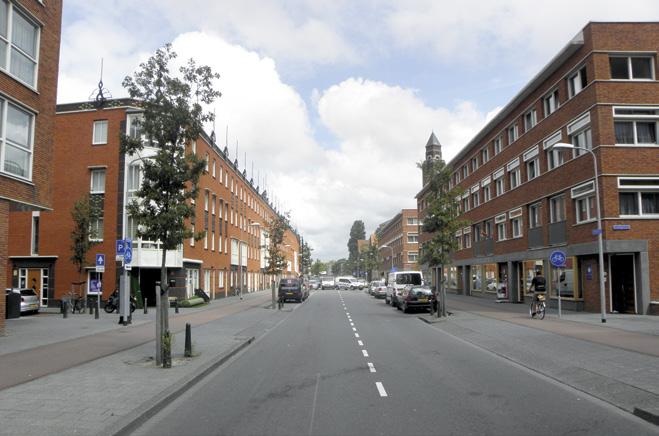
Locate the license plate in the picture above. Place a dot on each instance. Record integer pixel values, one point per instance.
(423, 300)
(289, 293)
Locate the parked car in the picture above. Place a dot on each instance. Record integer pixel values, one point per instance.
(380, 290)
(327, 283)
(314, 284)
(344, 283)
(396, 281)
(373, 285)
(29, 299)
(359, 283)
(292, 289)
(415, 297)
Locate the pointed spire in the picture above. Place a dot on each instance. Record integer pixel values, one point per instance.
(433, 140)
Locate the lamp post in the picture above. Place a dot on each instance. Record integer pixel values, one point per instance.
(392, 254)
(600, 242)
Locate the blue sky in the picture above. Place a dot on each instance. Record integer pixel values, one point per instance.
(335, 99)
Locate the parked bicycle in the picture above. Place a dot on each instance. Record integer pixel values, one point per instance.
(76, 301)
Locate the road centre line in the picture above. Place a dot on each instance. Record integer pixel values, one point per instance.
(361, 344)
(352, 324)
(354, 329)
(371, 367)
(356, 335)
(365, 353)
(381, 390)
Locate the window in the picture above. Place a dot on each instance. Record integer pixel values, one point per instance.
(554, 157)
(100, 135)
(512, 133)
(550, 102)
(487, 229)
(412, 238)
(487, 196)
(535, 215)
(412, 221)
(631, 67)
(475, 199)
(467, 240)
(498, 182)
(497, 145)
(465, 171)
(35, 234)
(21, 61)
(474, 164)
(636, 132)
(639, 196)
(530, 120)
(214, 165)
(485, 154)
(513, 173)
(97, 181)
(557, 209)
(501, 231)
(16, 140)
(206, 162)
(96, 229)
(577, 82)
(532, 163)
(412, 256)
(516, 224)
(585, 209)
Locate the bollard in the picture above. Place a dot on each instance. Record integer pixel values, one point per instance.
(90, 307)
(96, 314)
(188, 340)
(145, 304)
(176, 306)
(65, 307)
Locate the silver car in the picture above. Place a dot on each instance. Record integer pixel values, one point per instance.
(29, 300)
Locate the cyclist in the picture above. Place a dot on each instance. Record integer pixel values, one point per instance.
(539, 285)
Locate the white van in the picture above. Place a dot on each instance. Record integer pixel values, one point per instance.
(396, 281)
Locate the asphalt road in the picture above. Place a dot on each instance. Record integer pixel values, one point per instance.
(344, 363)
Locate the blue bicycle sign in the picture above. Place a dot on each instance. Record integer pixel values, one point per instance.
(557, 259)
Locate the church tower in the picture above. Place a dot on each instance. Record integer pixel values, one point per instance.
(433, 153)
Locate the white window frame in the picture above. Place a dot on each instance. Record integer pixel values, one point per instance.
(11, 8)
(512, 133)
(535, 215)
(501, 231)
(584, 192)
(487, 193)
(639, 190)
(551, 102)
(514, 173)
(412, 238)
(530, 119)
(485, 154)
(553, 155)
(498, 144)
(24, 148)
(575, 81)
(552, 209)
(104, 132)
(630, 72)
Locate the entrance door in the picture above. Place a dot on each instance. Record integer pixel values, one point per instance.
(623, 286)
(34, 282)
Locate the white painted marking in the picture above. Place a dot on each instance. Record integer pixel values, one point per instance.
(354, 329)
(356, 335)
(381, 390)
(361, 344)
(313, 407)
(365, 353)
(371, 367)
(348, 313)
(352, 324)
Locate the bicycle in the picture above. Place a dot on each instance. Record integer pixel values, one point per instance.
(538, 306)
(280, 302)
(76, 302)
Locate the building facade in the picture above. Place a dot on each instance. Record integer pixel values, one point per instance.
(30, 32)
(231, 210)
(398, 242)
(525, 199)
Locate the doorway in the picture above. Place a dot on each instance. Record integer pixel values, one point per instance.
(623, 283)
(148, 279)
(37, 279)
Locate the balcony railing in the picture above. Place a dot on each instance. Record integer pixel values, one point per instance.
(558, 233)
(536, 237)
(484, 247)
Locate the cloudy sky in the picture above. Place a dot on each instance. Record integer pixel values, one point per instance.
(335, 99)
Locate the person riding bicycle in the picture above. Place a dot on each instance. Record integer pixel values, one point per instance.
(539, 285)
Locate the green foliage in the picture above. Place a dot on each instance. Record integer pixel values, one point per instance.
(317, 267)
(441, 217)
(370, 257)
(172, 116)
(276, 261)
(305, 258)
(83, 213)
(357, 232)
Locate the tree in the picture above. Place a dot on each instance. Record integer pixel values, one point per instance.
(172, 116)
(317, 267)
(357, 232)
(305, 258)
(441, 221)
(370, 256)
(276, 260)
(83, 236)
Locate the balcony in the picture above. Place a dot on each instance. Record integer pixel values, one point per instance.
(536, 237)
(484, 247)
(148, 254)
(558, 233)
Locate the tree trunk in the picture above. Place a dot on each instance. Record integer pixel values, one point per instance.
(274, 296)
(165, 349)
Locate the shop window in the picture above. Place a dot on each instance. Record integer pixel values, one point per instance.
(476, 278)
(565, 280)
(491, 277)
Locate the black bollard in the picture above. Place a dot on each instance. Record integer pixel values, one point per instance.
(65, 307)
(176, 306)
(96, 314)
(188, 340)
(145, 304)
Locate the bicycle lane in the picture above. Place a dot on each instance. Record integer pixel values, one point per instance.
(24, 366)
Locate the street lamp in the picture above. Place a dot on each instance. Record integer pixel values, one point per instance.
(392, 254)
(600, 242)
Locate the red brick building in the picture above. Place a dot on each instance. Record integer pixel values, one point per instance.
(398, 241)
(87, 161)
(525, 199)
(30, 31)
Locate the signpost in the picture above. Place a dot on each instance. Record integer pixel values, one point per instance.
(557, 259)
(124, 253)
(100, 268)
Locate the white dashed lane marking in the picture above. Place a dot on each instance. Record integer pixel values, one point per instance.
(361, 344)
(381, 390)
(354, 329)
(356, 335)
(371, 367)
(365, 353)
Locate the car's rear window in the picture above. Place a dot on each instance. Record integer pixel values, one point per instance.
(28, 292)
(290, 282)
(408, 279)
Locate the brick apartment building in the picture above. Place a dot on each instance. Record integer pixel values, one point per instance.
(30, 31)
(525, 199)
(87, 161)
(398, 242)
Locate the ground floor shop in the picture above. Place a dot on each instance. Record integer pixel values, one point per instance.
(628, 286)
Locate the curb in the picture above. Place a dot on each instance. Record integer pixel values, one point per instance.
(647, 416)
(151, 407)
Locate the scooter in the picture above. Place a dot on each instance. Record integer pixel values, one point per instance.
(113, 303)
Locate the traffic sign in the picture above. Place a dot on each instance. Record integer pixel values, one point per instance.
(121, 246)
(128, 251)
(100, 263)
(597, 232)
(557, 258)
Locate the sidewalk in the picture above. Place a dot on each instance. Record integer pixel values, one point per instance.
(112, 380)
(617, 362)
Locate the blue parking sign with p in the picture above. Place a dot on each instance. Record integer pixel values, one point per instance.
(121, 246)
